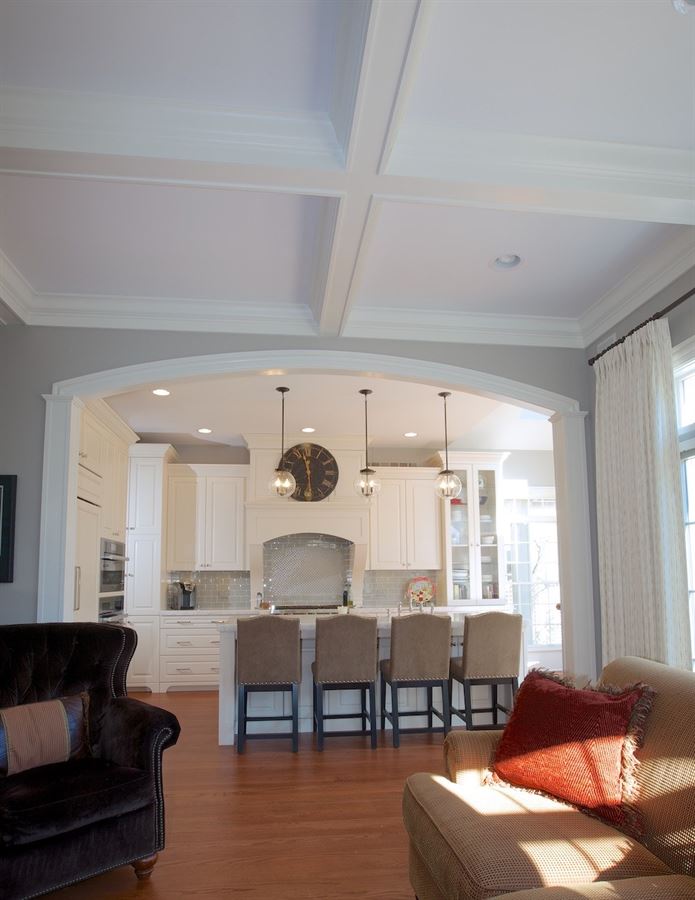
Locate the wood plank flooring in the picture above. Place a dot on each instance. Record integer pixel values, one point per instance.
(272, 824)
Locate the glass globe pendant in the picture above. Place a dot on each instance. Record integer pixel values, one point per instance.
(366, 483)
(282, 483)
(448, 484)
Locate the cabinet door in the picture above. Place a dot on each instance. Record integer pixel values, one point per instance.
(224, 523)
(144, 667)
(181, 523)
(488, 532)
(120, 490)
(423, 525)
(387, 526)
(145, 496)
(108, 500)
(85, 605)
(144, 582)
(90, 445)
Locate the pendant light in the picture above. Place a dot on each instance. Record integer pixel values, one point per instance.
(448, 484)
(366, 483)
(282, 483)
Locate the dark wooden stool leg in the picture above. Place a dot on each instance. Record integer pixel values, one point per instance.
(241, 718)
(446, 707)
(363, 696)
(394, 715)
(494, 703)
(372, 713)
(467, 703)
(383, 702)
(319, 716)
(295, 718)
(143, 867)
(429, 705)
(313, 705)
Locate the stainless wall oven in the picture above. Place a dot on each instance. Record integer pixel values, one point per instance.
(112, 567)
(111, 609)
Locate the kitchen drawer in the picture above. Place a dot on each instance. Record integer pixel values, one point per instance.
(172, 641)
(182, 671)
(189, 622)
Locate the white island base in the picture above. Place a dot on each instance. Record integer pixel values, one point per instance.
(276, 703)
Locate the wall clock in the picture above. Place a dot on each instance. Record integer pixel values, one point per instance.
(315, 471)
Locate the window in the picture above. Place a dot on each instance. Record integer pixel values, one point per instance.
(532, 561)
(684, 374)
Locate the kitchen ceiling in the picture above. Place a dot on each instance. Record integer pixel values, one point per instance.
(347, 167)
(234, 406)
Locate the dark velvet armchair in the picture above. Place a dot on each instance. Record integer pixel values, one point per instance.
(62, 823)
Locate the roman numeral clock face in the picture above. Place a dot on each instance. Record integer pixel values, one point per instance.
(315, 471)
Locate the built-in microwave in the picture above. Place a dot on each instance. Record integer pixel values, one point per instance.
(112, 567)
(111, 608)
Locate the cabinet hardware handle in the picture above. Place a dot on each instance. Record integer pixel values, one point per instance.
(182, 669)
(130, 575)
(188, 643)
(214, 669)
(183, 621)
(214, 642)
(217, 621)
(78, 588)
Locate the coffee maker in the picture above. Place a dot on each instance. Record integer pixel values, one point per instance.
(187, 594)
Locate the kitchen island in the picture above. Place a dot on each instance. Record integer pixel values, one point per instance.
(278, 703)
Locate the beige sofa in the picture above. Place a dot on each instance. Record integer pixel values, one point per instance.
(470, 841)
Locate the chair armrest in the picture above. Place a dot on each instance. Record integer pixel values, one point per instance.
(135, 734)
(468, 754)
(667, 887)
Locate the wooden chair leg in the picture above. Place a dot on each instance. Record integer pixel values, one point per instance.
(372, 713)
(382, 689)
(241, 718)
(493, 688)
(143, 867)
(319, 716)
(429, 705)
(446, 707)
(313, 705)
(363, 697)
(394, 715)
(295, 718)
(467, 703)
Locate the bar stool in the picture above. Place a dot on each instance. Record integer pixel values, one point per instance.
(420, 651)
(346, 659)
(268, 659)
(491, 651)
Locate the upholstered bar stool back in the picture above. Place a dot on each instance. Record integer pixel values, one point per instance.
(491, 656)
(268, 659)
(346, 659)
(420, 651)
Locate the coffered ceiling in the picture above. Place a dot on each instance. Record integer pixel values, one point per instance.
(345, 167)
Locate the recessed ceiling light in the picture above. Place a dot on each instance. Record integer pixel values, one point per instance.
(308, 430)
(205, 431)
(507, 261)
(161, 392)
(410, 434)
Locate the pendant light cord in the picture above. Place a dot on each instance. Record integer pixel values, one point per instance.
(444, 395)
(366, 432)
(282, 439)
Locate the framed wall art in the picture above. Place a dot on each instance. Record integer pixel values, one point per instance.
(8, 498)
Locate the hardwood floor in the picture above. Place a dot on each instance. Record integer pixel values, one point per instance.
(273, 824)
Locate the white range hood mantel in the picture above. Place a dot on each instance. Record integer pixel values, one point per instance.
(343, 514)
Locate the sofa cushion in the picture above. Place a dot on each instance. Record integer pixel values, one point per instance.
(661, 887)
(50, 800)
(482, 842)
(38, 734)
(577, 745)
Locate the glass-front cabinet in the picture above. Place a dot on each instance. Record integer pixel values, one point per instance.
(474, 572)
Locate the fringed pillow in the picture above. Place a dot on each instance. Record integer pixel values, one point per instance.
(38, 734)
(576, 745)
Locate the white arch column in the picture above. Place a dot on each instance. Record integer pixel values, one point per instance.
(574, 543)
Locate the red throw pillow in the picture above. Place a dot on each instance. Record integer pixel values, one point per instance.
(576, 745)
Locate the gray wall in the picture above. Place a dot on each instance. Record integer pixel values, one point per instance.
(33, 358)
(536, 466)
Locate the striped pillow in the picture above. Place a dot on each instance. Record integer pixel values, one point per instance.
(38, 734)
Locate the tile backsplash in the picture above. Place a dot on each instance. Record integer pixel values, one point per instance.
(306, 569)
(386, 587)
(215, 590)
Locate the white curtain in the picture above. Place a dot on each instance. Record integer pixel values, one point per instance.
(641, 539)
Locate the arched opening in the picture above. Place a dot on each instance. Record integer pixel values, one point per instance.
(569, 442)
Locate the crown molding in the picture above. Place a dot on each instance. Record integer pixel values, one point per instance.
(638, 286)
(452, 153)
(108, 418)
(458, 327)
(45, 119)
(171, 314)
(15, 293)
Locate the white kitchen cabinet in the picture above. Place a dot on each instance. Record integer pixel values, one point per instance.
(189, 650)
(103, 466)
(143, 671)
(206, 518)
(474, 552)
(90, 444)
(115, 474)
(85, 605)
(144, 580)
(405, 521)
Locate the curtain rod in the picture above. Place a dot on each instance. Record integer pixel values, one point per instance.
(658, 315)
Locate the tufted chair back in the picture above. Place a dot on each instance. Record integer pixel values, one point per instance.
(46, 661)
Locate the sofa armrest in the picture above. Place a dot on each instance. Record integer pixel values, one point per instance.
(468, 754)
(667, 887)
(135, 734)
